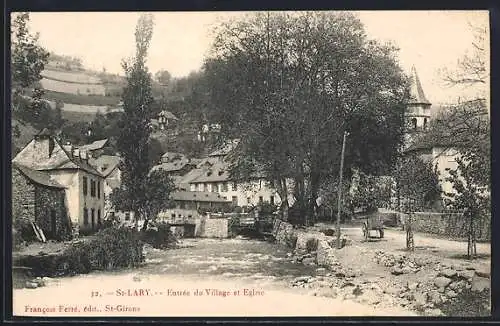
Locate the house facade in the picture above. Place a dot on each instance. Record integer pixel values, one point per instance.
(83, 184)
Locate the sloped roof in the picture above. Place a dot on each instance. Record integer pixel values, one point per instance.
(105, 163)
(227, 148)
(98, 144)
(202, 196)
(171, 166)
(219, 172)
(40, 177)
(59, 159)
(172, 155)
(416, 90)
(168, 115)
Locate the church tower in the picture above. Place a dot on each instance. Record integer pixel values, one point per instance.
(418, 111)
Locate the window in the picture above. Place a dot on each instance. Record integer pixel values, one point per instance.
(173, 215)
(99, 189)
(99, 217)
(248, 200)
(215, 187)
(425, 123)
(93, 218)
(85, 216)
(92, 188)
(205, 187)
(414, 123)
(234, 199)
(85, 186)
(127, 216)
(260, 184)
(271, 200)
(224, 187)
(261, 199)
(235, 186)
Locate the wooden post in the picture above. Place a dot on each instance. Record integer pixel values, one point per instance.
(339, 204)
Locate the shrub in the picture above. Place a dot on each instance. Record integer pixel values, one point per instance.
(312, 244)
(23, 230)
(109, 249)
(159, 236)
(291, 240)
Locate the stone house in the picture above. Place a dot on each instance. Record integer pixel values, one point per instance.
(214, 176)
(108, 166)
(83, 184)
(37, 198)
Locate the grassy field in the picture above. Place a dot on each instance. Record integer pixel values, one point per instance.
(73, 116)
(98, 100)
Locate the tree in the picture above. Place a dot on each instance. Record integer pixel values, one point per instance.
(289, 85)
(163, 77)
(135, 124)
(466, 128)
(28, 60)
(158, 186)
(418, 188)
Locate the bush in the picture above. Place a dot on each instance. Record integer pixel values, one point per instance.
(110, 249)
(23, 230)
(312, 244)
(291, 240)
(159, 236)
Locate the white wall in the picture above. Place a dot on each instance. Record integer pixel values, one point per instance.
(443, 159)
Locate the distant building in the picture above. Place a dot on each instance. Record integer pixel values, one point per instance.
(46, 159)
(96, 148)
(166, 119)
(209, 132)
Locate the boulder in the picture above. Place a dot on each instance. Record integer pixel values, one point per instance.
(31, 285)
(321, 271)
(434, 297)
(466, 274)
(433, 312)
(451, 294)
(302, 279)
(396, 271)
(441, 281)
(479, 284)
(309, 261)
(420, 299)
(412, 285)
(449, 273)
(323, 253)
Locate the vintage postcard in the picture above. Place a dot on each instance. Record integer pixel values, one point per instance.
(284, 163)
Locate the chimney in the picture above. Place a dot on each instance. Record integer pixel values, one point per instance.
(43, 146)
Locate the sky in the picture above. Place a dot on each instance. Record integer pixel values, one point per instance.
(429, 40)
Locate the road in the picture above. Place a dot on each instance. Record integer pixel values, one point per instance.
(220, 266)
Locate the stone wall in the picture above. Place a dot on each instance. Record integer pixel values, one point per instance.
(50, 201)
(23, 197)
(215, 228)
(451, 225)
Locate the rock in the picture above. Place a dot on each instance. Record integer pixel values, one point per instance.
(357, 291)
(412, 285)
(396, 271)
(420, 299)
(483, 273)
(321, 271)
(441, 281)
(309, 261)
(302, 279)
(407, 270)
(479, 284)
(466, 274)
(449, 273)
(441, 290)
(349, 296)
(31, 285)
(434, 297)
(451, 294)
(326, 292)
(391, 290)
(433, 312)
(39, 282)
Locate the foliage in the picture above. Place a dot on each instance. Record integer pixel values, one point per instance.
(155, 198)
(28, 60)
(135, 127)
(163, 77)
(109, 249)
(23, 229)
(417, 183)
(159, 236)
(288, 85)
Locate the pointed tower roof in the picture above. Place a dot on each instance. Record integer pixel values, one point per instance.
(416, 91)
